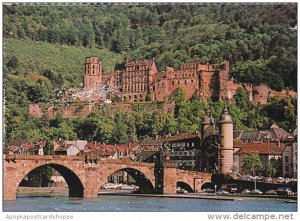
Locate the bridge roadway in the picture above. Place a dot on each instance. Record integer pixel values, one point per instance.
(86, 174)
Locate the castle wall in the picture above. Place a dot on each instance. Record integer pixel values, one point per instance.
(71, 111)
(77, 110)
(261, 94)
(209, 87)
(186, 79)
(232, 88)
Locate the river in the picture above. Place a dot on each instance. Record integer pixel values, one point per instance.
(105, 203)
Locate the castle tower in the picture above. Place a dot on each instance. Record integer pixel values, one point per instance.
(223, 80)
(93, 73)
(226, 146)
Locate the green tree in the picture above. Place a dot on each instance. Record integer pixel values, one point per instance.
(242, 99)
(49, 148)
(270, 170)
(120, 132)
(252, 162)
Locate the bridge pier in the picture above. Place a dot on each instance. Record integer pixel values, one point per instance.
(9, 194)
(91, 178)
(169, 180)
(9, 184)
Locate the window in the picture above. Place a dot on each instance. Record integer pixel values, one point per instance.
(286, 159)
(287, 169)
(193, 144)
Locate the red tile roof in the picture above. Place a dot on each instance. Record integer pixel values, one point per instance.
(18, 142)
(183, 136)
(262, 148)
(153, 141)
(93, 146)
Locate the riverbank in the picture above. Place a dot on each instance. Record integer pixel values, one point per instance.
(231, 197)
(57, 191)
(43, 191)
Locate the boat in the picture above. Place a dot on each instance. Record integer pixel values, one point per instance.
(290, 201)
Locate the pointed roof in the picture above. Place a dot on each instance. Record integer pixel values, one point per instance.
(225, 117)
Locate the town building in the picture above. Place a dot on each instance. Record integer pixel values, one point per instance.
(25, 147)
(152, 144)
(247, 136)
(184, 149)
(67, 149)
(289, 160)
(237, 146)
(200, 151)
(269, 153)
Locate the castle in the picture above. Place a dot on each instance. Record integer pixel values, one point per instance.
(140, 81)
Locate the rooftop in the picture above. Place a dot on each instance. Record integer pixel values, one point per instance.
(263, 148)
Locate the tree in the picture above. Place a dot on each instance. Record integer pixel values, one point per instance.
(242, 98)
(120, 132)
(49, 148)
(270, 170)
(252, 162)
(282, 110)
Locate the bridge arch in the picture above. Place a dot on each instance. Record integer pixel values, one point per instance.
(143, 174)
(76, 188)
(184, 185)
(207, 185)
(140, 178)
(75, 182)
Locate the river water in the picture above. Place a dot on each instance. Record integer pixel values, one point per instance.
(105, 203)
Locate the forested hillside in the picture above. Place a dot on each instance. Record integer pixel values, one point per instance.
(259, 41)
(68, 61)
(45, 47)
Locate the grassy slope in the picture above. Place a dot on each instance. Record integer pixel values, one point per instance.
(67, 60)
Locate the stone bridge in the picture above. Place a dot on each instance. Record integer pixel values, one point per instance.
(85, 175)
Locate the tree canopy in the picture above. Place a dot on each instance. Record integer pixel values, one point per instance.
(259, 40)
(45, 48)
